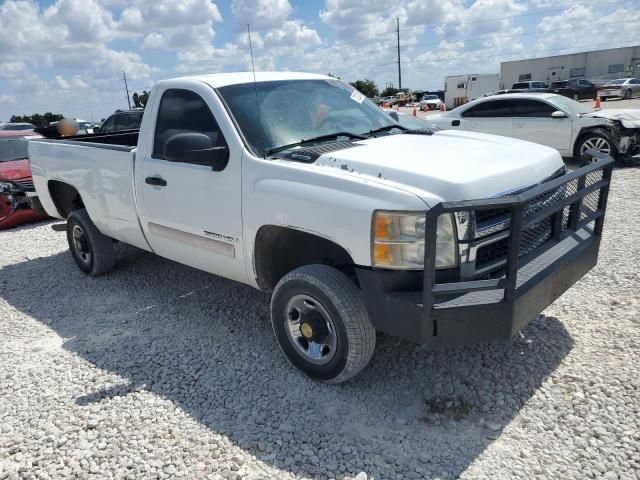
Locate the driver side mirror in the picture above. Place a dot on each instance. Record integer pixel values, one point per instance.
(196, 148)
(558, 114)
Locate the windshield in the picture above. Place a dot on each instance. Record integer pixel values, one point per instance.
(13, 149)
(568, 105)
(617, 82)
(430, 97)
(295, 110)
(559, 84)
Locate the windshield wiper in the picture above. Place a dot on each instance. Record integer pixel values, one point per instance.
(330, 136)
(385, 129)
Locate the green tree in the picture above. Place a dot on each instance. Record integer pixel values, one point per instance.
(389, 92)
(37, 119)
(366, 86)
(140, 100)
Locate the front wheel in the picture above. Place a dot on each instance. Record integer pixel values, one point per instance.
(321, 323)
(92, 251)
(627, 95)
(597, 139)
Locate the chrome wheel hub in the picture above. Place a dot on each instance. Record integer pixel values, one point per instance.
(598, 143)
(80, 244)
(310, 329)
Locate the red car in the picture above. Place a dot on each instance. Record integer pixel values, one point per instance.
(15, 179)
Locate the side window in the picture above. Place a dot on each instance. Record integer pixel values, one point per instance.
(183, 111)
(492, 108)
(531, 108)
(109, 124)
(539, 85)
(128, 121)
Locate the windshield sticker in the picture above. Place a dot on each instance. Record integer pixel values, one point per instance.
(356, 96)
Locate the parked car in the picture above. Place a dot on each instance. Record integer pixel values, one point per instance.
(15, 179)
(577, 88)
(432, 102)
(121, 120)
(534, 86)
(621, 88)
(552, 120)
(13, 126)
(410, 122)
(359, 227)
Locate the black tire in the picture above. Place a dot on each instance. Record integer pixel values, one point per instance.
(603, 99)
(342, 300)
(627, 95)
(593, 135)
(93, 252)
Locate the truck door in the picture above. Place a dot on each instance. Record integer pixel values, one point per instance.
(532, 121)
(190, 206)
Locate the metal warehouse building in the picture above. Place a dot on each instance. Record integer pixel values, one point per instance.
(599, 64)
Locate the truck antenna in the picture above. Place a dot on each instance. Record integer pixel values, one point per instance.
(255, 91)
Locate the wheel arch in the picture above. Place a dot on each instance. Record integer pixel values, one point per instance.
(601, 129)
(66, 198)
(279, 250)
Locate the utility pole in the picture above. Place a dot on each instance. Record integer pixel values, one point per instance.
(399, 70)
(126, 87)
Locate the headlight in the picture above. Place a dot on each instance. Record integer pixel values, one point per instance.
(8, 187)
(398, 241)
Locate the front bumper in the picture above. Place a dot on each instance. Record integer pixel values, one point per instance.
(414, 306)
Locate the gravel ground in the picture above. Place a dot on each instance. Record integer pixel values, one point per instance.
(160, 371)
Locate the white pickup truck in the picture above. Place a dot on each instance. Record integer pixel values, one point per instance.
(298, 185)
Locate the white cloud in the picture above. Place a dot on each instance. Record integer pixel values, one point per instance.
(262, 15)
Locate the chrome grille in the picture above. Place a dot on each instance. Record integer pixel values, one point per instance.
(494, 224)
(495, 253)
(25, 184)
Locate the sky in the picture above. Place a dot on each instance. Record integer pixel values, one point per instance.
(68, 56)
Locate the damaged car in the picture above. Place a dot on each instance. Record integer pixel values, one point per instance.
(15, 180)
(553, 120)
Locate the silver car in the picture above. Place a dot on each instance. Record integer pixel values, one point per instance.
(622, 88)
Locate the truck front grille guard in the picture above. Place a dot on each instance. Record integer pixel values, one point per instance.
(583, 200)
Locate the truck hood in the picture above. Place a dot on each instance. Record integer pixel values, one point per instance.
(630, 118)
(448, 165)
(15, 170)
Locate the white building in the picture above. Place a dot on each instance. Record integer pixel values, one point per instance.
(459, 89)
(596, 65)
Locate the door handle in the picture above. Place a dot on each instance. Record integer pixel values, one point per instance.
(472, 125)
(156, 181)
(519, 125)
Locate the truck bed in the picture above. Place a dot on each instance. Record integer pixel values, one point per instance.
(125, 140)
(101, 173)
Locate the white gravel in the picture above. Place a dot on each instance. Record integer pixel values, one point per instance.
(161, 371)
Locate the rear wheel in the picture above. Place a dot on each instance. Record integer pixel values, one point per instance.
(92, 251)
(627, 95)
(321, 323)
